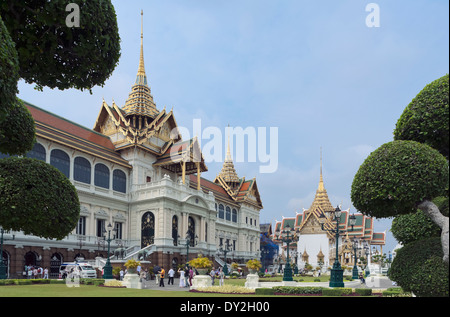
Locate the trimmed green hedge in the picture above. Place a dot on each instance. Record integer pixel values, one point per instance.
(264, 291)
(363, 291)
(86, 281)
(300, 290)
(338, 291)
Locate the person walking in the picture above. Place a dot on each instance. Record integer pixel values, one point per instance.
(221, 277)
(186, 276)
(121, 273)
(191, 276)
(46, 273)
(161, 278)
(182, 278)
(212, 274)
(171, 274)
(142, 276)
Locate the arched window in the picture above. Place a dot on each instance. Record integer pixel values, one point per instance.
(228, 214)
(61, 161)
(82, 170)
(101, 176)
(234, 215)
(38, 152)
(147, 229)
(119, 181)
(221, 211)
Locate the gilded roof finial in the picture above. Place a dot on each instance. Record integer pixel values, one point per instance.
(321, 186)
(141, 70)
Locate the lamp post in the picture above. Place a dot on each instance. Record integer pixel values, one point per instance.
(352, 221)
(189, 239)
(107, 269)
(2, 264)
(287, 236)
(367, 252)
(337, 273)
(225, 251)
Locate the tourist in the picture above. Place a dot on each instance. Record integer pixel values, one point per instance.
(212, 274)
(161, 277)
(46, 273)
(221, 277)
(182, 278)
(142, 276)
(121, 273)
(191, 276)
(138, 270)
(186, 276)
(171, 274)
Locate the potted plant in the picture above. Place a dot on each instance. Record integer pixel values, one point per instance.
(202, 264)
(253, 266)
(131, 265)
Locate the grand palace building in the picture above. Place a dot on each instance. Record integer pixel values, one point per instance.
(134, 173)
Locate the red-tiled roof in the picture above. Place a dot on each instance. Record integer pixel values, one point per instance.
(65, 125)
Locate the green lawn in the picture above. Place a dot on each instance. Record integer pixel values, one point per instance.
(61, 290)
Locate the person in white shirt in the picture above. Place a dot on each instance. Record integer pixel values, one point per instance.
(171, 274)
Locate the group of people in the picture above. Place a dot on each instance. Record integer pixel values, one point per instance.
(33, 272)
(186, 275)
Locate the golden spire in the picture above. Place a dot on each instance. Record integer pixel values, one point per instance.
(140, 100)
(321, 186)
(321, 199)
(141, 69)
(228, 173)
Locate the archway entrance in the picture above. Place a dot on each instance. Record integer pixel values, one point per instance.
(147, 229)
(55, 262)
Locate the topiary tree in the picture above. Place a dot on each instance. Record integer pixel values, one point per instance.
(37, 198)
(51, 53)
(418, 268)
(398, 178)
(415, 226)
(425, 119)
(9, 71)
(17, 130)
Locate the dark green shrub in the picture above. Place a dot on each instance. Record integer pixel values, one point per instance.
(363, 291)
(300, 290)
(264, 291)
(418, 268)
(332, 292)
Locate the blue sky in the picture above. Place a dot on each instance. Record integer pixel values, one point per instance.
(313, 69)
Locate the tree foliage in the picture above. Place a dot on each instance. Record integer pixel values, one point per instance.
(17, 131)
(397, 176)
(418, 268)
(9, 71)
(55, 55)
(425, 119)
(36, 198)
(412, 227)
